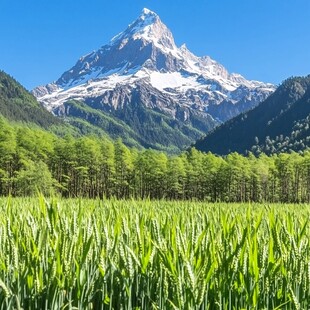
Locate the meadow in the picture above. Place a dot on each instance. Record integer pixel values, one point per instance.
(113, 254)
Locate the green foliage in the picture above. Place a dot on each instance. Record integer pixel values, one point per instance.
(97, 167)
(94, 254)
(34, 177)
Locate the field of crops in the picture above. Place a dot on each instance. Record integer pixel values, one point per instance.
(83, 254)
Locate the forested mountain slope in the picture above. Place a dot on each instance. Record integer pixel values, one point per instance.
(279, 124)
(17, 104)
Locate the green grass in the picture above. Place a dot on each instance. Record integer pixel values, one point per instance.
(83, 254)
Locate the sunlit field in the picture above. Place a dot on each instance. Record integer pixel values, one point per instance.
(94, 254)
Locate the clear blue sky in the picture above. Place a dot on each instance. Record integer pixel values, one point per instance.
(266, 40)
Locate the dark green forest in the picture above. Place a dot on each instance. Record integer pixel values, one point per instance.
(278, 124)
(18, 105)
(35, 160)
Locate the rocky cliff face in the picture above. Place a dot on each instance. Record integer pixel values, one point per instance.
(142, 66)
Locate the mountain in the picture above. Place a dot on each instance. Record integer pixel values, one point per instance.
(144, 88)
(17, 104)
(279, 124)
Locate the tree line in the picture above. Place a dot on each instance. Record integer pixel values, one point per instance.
(33, 160)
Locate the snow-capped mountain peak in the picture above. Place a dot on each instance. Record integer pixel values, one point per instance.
(149, 28)
(147, 12)
(143, 64)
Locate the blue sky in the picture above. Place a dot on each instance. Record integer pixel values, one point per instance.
(267, 40)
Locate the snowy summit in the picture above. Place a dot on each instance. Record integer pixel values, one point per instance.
(149, 28)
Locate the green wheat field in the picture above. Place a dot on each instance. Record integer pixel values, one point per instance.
(96, 254)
